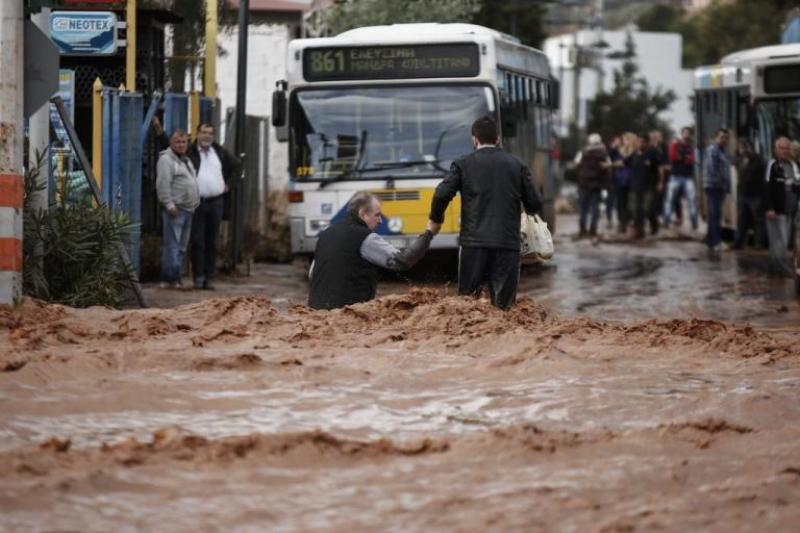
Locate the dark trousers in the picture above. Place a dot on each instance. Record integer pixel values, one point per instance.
(611, 196)
(623, 208)
(642, 207)
(205, 230)
(498, 266)
(715, 198)
(750, 217)
(588, 206)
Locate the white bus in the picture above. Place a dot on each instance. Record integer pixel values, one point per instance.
(756, 95)
(388, 108)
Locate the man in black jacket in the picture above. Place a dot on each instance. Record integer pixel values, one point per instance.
(750, 168)
(492, 184)
(348, 254)
(216, 169)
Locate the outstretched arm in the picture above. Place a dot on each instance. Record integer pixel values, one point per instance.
(444, 193)
(379, 251)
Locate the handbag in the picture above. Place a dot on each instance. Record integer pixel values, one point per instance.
(535, 238)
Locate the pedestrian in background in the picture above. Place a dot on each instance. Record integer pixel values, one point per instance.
(643, 189)
(751, 170)
(681, 177)
(176, 187)
(716, 184)
(781, 175)
(493, 184)
(655, 160)
(593, 172)
(622, 177)
(216, 170)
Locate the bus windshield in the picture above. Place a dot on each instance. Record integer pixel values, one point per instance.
(777, 118)
(374, 132)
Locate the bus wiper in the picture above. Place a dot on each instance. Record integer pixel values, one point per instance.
(435, 163)
(355, 169)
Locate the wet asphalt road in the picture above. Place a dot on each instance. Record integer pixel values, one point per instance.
(670, 276)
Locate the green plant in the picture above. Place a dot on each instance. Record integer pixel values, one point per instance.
(70, 251)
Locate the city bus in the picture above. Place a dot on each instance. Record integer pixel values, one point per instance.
(388, 108)
(756, 95)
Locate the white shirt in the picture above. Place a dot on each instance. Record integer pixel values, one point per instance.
(209, 176)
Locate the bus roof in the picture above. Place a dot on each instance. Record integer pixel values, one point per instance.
(779, 51)
(370, 33)
(739, 68)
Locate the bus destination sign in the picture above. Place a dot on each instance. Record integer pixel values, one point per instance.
(340, 63)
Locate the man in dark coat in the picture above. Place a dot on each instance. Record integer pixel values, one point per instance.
(348, 254)
(492, 184)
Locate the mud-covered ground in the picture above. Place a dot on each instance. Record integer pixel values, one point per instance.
(575, 411)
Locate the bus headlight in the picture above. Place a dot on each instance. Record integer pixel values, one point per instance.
(313, 227)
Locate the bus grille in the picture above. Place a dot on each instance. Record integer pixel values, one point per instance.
(397, 196)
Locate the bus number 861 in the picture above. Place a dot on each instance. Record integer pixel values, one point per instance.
(327, 61)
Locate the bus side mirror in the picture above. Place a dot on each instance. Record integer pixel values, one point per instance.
(279, 108)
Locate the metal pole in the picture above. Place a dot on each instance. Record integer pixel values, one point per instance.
(576, 88)
(210, 67)
(130, 50)
(11, 172)
(97, 131)
(241, 94)
(39, 125)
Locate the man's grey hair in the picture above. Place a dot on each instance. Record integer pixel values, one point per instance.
(360, 200)
(178, 133)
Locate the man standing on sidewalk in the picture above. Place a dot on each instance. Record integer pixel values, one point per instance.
(176, 186)
(215, 169)
(716, 184)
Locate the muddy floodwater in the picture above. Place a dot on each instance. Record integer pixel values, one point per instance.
(633, 387)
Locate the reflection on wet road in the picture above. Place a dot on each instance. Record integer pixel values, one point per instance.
(660, 279)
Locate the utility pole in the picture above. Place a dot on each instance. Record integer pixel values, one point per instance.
(576, 86)
(130, 48)
(11, 172)
(39, 125)
(210, 66)
(241, 118)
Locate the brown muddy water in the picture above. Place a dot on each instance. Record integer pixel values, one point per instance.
(419, 411)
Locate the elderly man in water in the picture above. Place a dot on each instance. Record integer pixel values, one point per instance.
(349, 254)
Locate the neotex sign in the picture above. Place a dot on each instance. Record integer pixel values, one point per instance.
(84, 32)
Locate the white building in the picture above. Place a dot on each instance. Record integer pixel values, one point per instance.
(658, 56)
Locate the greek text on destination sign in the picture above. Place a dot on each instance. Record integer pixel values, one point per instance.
(451, 60)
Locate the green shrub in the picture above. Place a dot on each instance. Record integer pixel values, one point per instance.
(70, 250)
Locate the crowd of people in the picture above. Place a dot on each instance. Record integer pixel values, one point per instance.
(647, 185)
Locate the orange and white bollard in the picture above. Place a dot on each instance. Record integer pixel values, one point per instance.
(11, 146)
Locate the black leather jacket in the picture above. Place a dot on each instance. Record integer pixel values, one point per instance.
(492, 184)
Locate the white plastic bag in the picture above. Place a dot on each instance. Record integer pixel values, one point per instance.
(535, 238)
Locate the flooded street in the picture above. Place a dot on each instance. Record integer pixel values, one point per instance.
(633, 387)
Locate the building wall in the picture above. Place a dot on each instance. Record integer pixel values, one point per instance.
(657, 54)
(266, 64)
